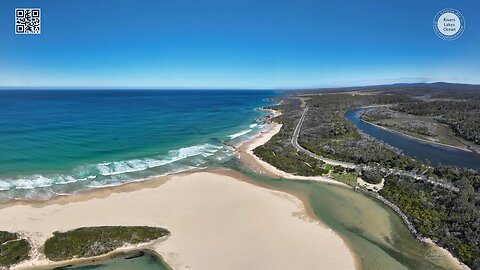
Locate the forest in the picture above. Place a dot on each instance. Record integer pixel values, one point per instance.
(328, 133)
(462, 116)
(450, 217)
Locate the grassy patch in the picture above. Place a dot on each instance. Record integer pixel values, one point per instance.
(347, 178)
(329, 167)
(12, 249)
(94, 241)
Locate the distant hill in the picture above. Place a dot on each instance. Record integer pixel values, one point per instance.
(415, 89)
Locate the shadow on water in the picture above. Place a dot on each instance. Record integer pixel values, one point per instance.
(137, 260)
(373, 231)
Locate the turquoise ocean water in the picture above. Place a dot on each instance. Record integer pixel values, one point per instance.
(61, 141)
(57, 142)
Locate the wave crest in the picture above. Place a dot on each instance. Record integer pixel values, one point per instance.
(117, 171)
(236, 135)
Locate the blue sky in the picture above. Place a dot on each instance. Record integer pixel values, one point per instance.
(236, 44)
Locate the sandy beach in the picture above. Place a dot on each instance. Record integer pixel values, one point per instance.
(216, 222)
(217, 218)
(255, 163)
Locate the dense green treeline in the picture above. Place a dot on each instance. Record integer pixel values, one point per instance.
(327, 132)
(395, 120)
(452, 219)
(462, 116)
(280, 153)
(450, 216)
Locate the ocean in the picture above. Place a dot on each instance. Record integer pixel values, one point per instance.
(55, 142)
(60, 142)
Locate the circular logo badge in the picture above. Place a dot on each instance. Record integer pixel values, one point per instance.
(449, 24)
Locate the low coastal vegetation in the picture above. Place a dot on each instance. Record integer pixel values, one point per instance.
(415, 119)
(280, 153)
(372, 176)
(13, 249)
(328, 133)
(294, 162)
(95, 241)
(402, 122)
(452, 219)
(443, 202)
(457, 106)
(461, 116)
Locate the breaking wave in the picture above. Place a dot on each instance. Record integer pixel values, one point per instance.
(114, 172)
(233, 136)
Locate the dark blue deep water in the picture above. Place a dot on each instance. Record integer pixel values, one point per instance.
(435, 154)
(58, 141)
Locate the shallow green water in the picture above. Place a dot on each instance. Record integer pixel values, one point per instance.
(373, 231)
(132, 261)
(180, 131)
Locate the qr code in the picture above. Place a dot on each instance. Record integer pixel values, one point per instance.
(27, 20)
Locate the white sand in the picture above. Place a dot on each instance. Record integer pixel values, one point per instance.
(246, 154)
(248, 157)
(216, 222)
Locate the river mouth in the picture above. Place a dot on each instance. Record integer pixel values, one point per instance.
(433, 154)
(373, 231)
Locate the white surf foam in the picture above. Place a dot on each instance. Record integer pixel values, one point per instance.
(4, 185)
(108, 170)
(236, 135)
(36, 181)
(69, 180)
(135, 165)
(113, 183)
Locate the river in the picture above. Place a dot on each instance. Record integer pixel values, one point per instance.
(373, 231)
(432, 153)
(375, 234)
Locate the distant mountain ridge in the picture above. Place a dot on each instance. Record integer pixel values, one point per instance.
(427, 87)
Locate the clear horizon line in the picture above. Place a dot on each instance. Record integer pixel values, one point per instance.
(131, 88)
